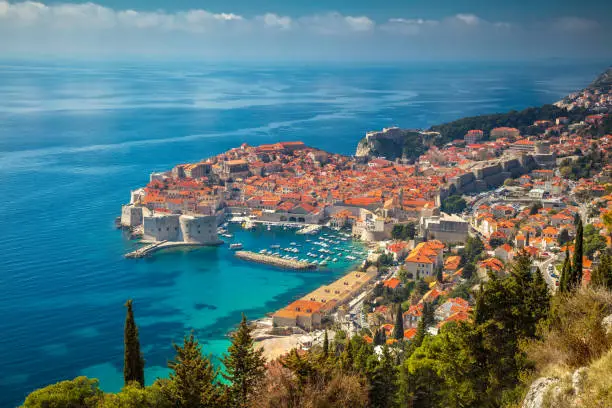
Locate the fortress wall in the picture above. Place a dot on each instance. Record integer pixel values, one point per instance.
(199, 229)
(489, 177)
(159, 228)
(131, 216)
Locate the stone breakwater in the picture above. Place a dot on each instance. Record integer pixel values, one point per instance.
(274, 261)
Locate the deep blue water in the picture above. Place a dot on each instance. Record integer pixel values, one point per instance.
(75, 138)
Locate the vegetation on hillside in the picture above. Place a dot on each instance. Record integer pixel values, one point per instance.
(522, 120)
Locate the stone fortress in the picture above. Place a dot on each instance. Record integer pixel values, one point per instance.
(157, 226)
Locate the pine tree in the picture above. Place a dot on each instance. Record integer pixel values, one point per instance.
(244, 365)
(398, 328)
(347, 357)
(383, 380)
(325, 345)
(133, 362)
(565, 273)
(576, 275)
(193, 380)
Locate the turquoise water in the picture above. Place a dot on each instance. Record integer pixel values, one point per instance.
(75, 138)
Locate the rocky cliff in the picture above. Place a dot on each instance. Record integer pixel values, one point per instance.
(394, 143)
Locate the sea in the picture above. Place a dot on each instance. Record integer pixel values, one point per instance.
(77, 136)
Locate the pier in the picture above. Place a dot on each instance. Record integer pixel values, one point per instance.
(310, 229)
(146, 250)
(275, 261)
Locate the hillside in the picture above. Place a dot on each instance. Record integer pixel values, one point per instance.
(603, 82)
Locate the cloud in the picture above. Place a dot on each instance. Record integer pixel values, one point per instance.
(32, 28)
(274, 20)
(469, 19)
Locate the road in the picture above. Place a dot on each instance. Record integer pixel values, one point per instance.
(544, 270)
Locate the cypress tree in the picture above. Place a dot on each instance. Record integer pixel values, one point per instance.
(193, 378)
(133, 362)
(398, 328)
(325, 345)
(576, 276)
(565, 273)
(527, 240)
(439, 275)
(420, 334)
(244, 365)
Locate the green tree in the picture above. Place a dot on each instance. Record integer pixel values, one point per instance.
(325, 345)
(564, 237)
(244, 365)
(135, 396)
(576, 275)
(535, 208)
(454, 204)
(81, 392)
(133, 362)
(602, 274)
(468, 270)
(193, 378)
(428, 314)
(382, 375)
(566, 271)
(398, 328)
(439, 274)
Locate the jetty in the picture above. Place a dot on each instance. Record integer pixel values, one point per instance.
(310, 229)
(275, 261)
(145, 250)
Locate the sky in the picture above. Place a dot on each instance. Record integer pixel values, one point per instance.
(295, 30)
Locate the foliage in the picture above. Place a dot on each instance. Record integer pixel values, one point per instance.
(81, 392)
(192, 381)
(593, 241)
(575, 278)
(535, 207)
(403, 231)
(522, 120)
(566, 271)
(453, 204)
(398, 327)
(133, 362)
(468, 270)
(602, 273)
(384, 260)
(244, 365)
(573, 336)
(564, 237)
(135, 396)
(473, 248)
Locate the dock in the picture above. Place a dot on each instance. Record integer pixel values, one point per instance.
(310, 229)
(145, 250)
(275, 261)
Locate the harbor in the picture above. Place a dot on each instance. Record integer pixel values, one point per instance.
(274, 260)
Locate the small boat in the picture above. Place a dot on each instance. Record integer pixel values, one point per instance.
(323, 263)
(292, 243)
(352, 258)
(269, 228)
(274, 246)
(236, 246)
(227, 235)
(335, 260)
